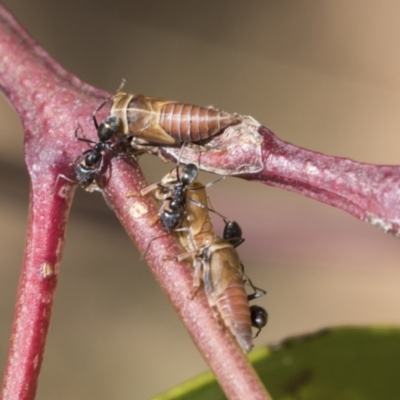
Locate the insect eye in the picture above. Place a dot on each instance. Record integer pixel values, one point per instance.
(189, 174)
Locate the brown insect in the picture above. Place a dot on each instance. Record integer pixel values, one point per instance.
(166, 122)
(216, 262)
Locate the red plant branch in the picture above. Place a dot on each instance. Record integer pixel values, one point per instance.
(43, 95)
(51, 103)
(222, 353)
(369, 192)
(47, 219)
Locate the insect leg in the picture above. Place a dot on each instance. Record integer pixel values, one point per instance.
(197, 276)
(257, 291)
(149, 243)
(62, 176)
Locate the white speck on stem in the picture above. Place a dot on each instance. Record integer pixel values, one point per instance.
(138, 210)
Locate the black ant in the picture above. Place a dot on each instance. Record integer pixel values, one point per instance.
(89, 170)
(258, 317)
(89, 165)
(233, 233)
(174, 206)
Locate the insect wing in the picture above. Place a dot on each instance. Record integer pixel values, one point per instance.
(197, 210)
(140, 116)
(225, 267)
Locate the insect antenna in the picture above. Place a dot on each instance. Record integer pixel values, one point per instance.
(105, 101)
(82, 138)
(210, 209)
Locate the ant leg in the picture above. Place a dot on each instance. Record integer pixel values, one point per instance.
(62, 176)
(149, 243)
(100, 175)
(257, 333)
(257, 291)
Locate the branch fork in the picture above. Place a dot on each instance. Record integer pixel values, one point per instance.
(51, 102)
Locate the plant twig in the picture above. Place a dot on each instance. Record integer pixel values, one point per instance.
(51, 102)
(45, 237)
(367, 191)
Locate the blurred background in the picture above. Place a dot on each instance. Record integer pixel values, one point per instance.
(322, 75)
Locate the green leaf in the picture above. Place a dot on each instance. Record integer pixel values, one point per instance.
(332, 364)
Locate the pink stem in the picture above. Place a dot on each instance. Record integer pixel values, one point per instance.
(235, 375)
(51, 103)
(367, 191)
(45, 238)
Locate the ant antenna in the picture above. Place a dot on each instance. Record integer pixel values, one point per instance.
(180, 153)
(179, 160)
(108, 99)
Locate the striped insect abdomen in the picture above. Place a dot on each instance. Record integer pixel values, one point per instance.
(189, 123)
(234, 310)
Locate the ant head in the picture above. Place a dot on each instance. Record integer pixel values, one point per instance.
(189, 174)
(108, 128)
(232, 230)
(258, 316)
